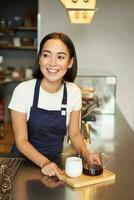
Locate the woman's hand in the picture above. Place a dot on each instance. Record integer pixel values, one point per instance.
(92, 158)
(51, 169)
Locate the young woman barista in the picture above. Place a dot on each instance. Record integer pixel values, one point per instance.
(43, 108)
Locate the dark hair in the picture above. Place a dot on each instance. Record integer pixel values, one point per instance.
(71, 72)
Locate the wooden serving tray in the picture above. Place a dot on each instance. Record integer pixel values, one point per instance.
(85, 180)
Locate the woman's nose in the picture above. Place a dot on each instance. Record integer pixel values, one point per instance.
(53, 61)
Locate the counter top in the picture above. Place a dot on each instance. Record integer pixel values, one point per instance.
(116, 140)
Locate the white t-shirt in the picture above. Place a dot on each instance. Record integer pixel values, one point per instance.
(22, 98)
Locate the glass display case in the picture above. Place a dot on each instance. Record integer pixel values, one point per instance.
(98, 93)
(98, 101)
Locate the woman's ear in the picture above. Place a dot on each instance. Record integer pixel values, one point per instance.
(71, 62)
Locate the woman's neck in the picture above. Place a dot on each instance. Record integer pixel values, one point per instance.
(51, 87)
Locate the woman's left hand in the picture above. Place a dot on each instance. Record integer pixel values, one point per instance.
(92, 158)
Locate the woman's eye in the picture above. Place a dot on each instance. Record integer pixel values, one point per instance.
(61, 57)
(45, 55)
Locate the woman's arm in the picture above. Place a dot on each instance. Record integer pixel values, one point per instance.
(78, 141)
(75, 134)
(19, 123)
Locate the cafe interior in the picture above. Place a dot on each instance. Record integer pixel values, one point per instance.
(102, 31)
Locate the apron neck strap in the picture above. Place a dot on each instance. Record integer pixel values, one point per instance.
(64, 101)
(36, 95)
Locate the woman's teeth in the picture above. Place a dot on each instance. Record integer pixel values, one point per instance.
(52, 70)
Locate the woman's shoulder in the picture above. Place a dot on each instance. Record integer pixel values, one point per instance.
(72, 87)
(25, 86)
(74, 96)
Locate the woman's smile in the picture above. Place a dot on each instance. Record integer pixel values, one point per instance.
(53, 71)
(54, 60)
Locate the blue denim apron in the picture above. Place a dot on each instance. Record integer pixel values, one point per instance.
(47, 128)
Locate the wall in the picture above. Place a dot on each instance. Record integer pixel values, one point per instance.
(106, 43)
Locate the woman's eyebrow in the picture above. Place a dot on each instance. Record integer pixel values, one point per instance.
(46, 51)
(60, 52)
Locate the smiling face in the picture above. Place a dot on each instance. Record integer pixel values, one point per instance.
(54, 60)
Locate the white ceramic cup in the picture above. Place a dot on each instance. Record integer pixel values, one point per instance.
(73, 166)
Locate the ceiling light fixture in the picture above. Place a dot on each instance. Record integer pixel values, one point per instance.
(80, 11)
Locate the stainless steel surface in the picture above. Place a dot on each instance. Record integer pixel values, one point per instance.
(11, 163)
(113, 137)
(8, 170)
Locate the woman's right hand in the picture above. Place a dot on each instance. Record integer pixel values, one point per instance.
(51, 169)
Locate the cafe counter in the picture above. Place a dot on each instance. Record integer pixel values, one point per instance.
(113, 137)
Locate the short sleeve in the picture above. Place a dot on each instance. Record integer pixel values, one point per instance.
(74, 97)
(77, 100)
(22, 97)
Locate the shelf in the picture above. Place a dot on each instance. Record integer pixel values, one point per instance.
(20, 28)
(23, 28)
(13, 30)
(19, 48)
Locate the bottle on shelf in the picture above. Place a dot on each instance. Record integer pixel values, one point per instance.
(1, 117)
(1, 68)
